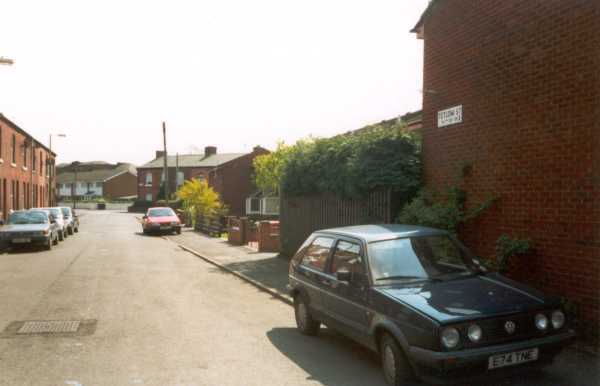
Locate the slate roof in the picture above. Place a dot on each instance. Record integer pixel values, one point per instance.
(98, 175)
(194, 160)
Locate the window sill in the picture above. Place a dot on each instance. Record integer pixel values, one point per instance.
(14, 165)
(1, 161)
(24, 168)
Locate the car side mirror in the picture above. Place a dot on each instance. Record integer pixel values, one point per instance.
(144, 217)
(344, 275)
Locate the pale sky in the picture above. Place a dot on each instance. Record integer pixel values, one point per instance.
(229, 73)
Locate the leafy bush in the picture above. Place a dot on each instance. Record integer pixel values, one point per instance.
(354, 164)
(199, 198)
(441, 210)
(507, 247)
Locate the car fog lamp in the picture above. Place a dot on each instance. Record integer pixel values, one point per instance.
(541, 322)
(450, 337)
(474, 333)
(558, 319)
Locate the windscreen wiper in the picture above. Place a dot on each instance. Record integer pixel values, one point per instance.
(407, 277)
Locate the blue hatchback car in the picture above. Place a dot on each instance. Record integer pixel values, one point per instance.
(424, 303)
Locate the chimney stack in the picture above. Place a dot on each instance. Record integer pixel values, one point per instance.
(159, 153)
(210, 150)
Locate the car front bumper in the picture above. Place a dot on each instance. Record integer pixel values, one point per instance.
(15, 241)
(472, 364)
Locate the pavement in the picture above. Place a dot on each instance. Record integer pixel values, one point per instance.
(166, 317)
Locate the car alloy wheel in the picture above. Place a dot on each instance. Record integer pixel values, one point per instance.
(302, 315)
(395, 366)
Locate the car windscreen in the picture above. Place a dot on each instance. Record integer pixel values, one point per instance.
(420, 258)
(56, 212)
(163, 212)
(66, 211)
(27, 218)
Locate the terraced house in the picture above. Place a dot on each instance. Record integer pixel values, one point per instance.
(27, 170)
(230, 174)
(512, 89)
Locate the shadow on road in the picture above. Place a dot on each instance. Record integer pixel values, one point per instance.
(329, 359)
(272, 272)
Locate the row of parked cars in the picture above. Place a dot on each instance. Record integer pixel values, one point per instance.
(39, 226)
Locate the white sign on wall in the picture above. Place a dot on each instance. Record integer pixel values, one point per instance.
(450, 116)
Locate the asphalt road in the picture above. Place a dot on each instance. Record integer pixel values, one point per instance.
(165, 317)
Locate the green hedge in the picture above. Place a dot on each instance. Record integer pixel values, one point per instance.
(352, 165)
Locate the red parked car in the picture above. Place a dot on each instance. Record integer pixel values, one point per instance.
(161, 220)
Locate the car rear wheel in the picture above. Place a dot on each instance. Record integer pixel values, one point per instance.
(178, 231)
(76, 230)
(55, 240)
(304, 320)
(396, 368)
(70, 230)
(61, 235)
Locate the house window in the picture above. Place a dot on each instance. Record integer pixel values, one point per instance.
(149, 179)
(0, 142)
(25, 153)
(41, 162)
(98, 184)
(148, 196)
(14, 149)
(33, 161)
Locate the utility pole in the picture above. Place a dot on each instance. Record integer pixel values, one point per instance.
(176, 171)
(166, 166)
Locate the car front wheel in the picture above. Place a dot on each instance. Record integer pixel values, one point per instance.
(396, 368)
(61, 236)
(48, 245)
(70, 230)
(304, 320)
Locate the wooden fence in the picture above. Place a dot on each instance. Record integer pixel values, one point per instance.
(300, 216)
(210, 225)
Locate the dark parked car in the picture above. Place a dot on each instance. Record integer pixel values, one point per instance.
(30, 227)
(426, 304)
(71, 219)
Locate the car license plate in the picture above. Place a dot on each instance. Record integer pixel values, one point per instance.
(165, 227)
(21, 240)
(513, 358)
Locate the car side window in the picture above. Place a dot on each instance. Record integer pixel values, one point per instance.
(346, 257)
(317, 253)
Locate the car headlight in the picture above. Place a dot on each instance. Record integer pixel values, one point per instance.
(450, 337)
(558, 319)
(541, 322)
(474, 333)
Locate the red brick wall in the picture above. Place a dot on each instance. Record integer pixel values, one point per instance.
(120, 186)
(528, 76)
(27, 179)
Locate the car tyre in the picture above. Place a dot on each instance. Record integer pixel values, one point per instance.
(304, 320)
(145, 231)
(55, 241)
(76, 230)
(178, 231)
(61, 235)
(70, 230)
(48, 245)
(396, 369)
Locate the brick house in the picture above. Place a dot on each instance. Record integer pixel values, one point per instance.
(26, 170)
(512, 88)
(96, 179)
(230, 174)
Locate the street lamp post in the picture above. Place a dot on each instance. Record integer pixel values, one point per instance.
(51, 190)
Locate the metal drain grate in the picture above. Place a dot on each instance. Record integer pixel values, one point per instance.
(49, 327)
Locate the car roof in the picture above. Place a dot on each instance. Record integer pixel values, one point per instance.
(380, 232)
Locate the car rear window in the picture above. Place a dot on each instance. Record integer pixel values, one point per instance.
(27, 218)
(66, 211)
(317, 253)
(346, 257)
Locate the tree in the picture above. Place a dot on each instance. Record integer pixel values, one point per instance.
(268, 169)
(197, 197)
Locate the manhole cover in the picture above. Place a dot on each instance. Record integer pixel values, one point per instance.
(50, 327)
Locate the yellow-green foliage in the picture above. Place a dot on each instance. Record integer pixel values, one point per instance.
(198, 197)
